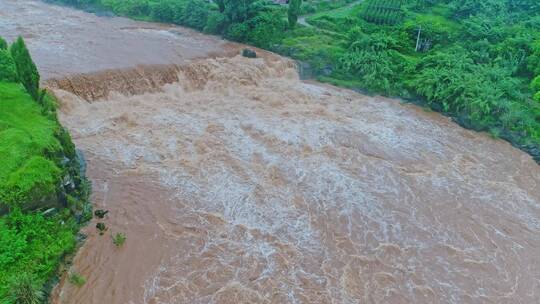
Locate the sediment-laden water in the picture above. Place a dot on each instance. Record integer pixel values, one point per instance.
(66, 41)
(235, 182)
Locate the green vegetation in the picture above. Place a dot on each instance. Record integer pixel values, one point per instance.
(26, 69)
(475, 61)
(76, 279)
(119, 239)
(23, 290)
(294, 10)
(3, 44)
(42, 191)
(8, 71)
(382, 11)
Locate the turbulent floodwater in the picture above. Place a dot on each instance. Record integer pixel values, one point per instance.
(64, 41)
(236, 182)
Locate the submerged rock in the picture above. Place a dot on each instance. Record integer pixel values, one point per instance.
(100, 213)
(101, 227)
(249, 53)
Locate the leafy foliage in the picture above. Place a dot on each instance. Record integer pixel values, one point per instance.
(76, 279)
(238, 11)
(8, 71)
(374, 60)
(215, 23)
(3, 44)
(266, 29)
(534, 58)
(165, 10)
(383, 11)
(23, 290)
(26, 68)
(119, 239)
(32, 244)
(457, 85)
(293, 11)
(195, 14)
(35, 182)
(39, 169)
(27, 175)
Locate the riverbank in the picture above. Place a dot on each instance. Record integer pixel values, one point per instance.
(480, 79)
(43, 190)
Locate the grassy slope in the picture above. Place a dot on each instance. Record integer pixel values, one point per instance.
(32, 149)
(35, 245)
(28, 142)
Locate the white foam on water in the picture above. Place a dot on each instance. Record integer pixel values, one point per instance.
(289, 192)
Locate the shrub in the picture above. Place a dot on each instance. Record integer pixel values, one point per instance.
(128, 7)
(34, 184)
(23, 290)
(535, 84)
(533, 62)
(8, 71)
(266, 29)
(375, 69)
(165, 10)
(119, 239)
(236, 10)
(33, 244)
(76, 279)
(373, 59)
(215, 23)
(195, 14)
(101, 228)
(26, 68)
(3, 44)
(293, 11)
(482, 94)
(237, 32)
(536, 96)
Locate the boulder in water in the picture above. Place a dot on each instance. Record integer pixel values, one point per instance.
(101, 213)
(101, 227)
(249, 53)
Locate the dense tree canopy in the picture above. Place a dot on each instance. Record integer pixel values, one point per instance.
(26, 68)
(294, 10)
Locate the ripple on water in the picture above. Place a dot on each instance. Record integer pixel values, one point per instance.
(279, 191)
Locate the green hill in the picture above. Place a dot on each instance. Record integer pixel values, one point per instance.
(43, 194)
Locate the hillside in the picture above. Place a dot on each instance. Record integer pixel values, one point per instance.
(42, 191)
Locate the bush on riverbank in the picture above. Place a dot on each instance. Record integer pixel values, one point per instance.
(43, 194)
(27, 72)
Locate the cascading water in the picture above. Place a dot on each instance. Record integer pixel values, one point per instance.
(241, 184)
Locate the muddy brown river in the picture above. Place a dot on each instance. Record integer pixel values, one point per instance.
(236, 182)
